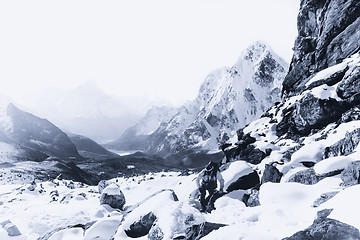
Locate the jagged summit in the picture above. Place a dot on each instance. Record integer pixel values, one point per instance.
(229, 98)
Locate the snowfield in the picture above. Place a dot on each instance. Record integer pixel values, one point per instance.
(54, 206)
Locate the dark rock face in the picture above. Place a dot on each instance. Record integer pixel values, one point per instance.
(350, 175)
(345, 146)
(245, 150)
(198, 231)
(351, 115)
(245, 182)
(142, 227)
(327, 33)
(271, 174)
(350, 84)
(325, 228)
(310, 113)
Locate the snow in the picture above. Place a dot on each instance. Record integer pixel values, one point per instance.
(112, 189)
(332, 164)
(327, 72)
(345, 205)
(68, 234)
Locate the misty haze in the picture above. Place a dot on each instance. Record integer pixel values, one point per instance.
(180, 120)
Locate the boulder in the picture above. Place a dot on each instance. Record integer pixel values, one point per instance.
(113, 196)
(245, 182)
(198, 231)
(350, 175)
(271, 174)
(307, 177)
(310, 113)
(141, 227)
(326, 228)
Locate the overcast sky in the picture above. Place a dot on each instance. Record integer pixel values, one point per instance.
(153, 47)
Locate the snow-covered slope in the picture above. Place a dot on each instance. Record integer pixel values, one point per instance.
(228, 99)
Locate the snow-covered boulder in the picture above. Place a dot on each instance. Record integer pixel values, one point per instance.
(240, 175)
(141, 227)
(113, 196)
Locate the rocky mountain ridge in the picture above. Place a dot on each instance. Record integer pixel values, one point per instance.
(228, 99)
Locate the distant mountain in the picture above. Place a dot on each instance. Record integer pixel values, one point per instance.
(32, 138)
(90, 149)
(228, 99)
(135, 137)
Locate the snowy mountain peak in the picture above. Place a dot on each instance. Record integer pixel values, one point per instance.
(90, 87)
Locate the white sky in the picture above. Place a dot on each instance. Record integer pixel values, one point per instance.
(135, 47)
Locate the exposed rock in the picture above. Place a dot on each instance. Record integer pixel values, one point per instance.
(350, 175)
(323, 198)
(310, 113)
(351, 115)
(245, 182)
(252, 199)
(307, 177)
(141, 227)
(331, 80)
(155, 233)
(11, 229)
(113, 196)
(245, 150)
(102, 185)
(327, 33)
(271, 174)
(196, 232)
(344, 146)
(326, 228)
(350, 85)
(32, 186)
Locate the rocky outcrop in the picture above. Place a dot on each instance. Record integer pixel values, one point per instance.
(328, 31)
(244, 149)
(113, 196)
(344, 146)
(310, 113)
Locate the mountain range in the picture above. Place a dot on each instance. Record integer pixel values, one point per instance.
(228, 99)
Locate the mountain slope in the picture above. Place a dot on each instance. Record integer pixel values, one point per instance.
(228, 99)
(33, 134)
